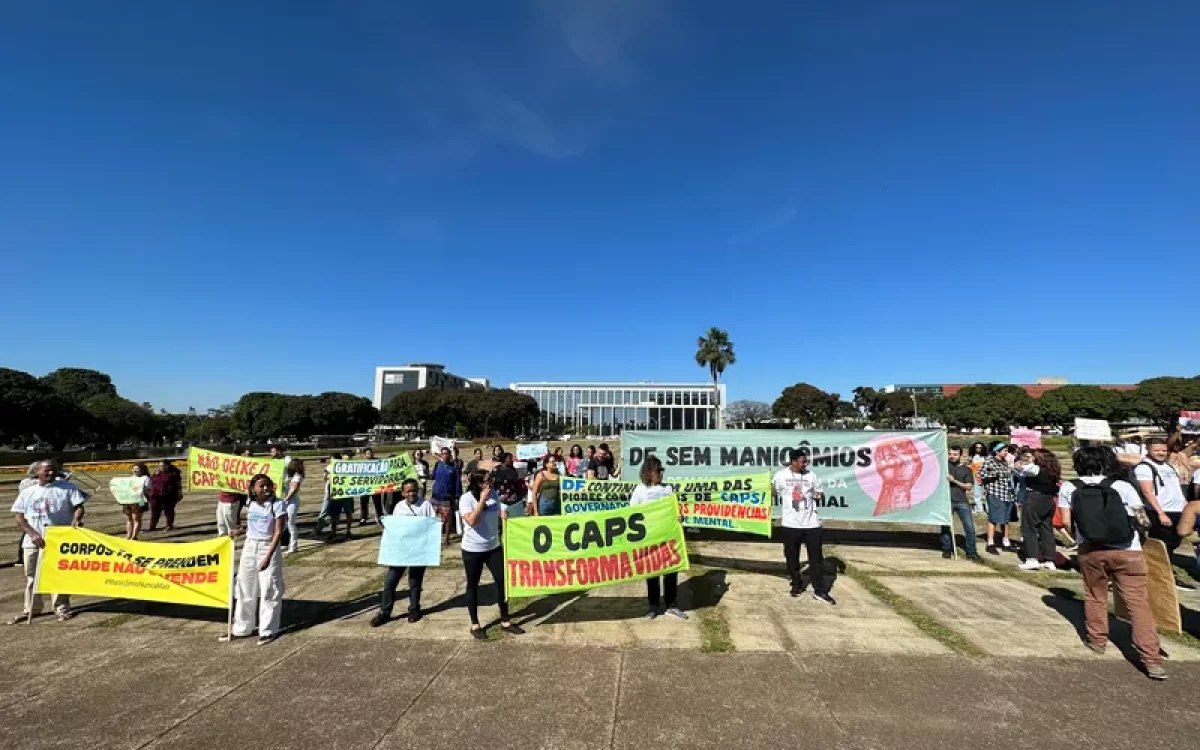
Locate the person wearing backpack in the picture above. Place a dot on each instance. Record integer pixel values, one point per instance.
(1159, 483)
(1102, 506)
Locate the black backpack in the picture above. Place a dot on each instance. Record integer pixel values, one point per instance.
(1100, 515)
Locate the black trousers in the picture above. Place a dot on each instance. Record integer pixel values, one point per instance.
(811, 539)
(1037, 526)
(474, 562)
(364, 506)
(1166, 534)
(391, 580)
(670, 584)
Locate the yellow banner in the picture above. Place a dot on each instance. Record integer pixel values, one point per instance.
(209, 470)
(86, 562)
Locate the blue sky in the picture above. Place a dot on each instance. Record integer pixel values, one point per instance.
(214, 198)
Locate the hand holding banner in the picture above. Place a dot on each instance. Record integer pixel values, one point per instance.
(546, 554)
(410, 540)
(358, 478)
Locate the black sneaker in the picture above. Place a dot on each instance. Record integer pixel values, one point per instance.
(795, 591)
(414, 616)
(947, 554)
(478, 634)
(379, 619)
(1184, 585)
(823, 598)
(992, 550)
(513, 629)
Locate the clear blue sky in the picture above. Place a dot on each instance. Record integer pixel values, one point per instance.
(205, 199)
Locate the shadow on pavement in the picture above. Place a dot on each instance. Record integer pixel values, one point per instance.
(1065, 603)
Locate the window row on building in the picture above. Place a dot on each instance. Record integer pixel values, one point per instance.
(614, 407)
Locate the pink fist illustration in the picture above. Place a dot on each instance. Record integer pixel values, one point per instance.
(899, 465)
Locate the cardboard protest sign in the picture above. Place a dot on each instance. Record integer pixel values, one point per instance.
(410, 540)
(1189, 422)
(896, 476)
(532, 451)
(546, 554)
(223, 471)
(1092, 429)
(370, 477)
(127, 490)
(85, 562)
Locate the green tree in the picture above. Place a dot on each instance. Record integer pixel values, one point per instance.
(266, 416)
(77, 385)
(335, 413)
(1060, 406)
(806, 405)
(714, 350)
(1161, 399)
(996, 407)
(115, 420)
(30, 409)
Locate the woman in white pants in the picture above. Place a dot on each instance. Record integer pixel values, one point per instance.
(260, 572)
(292, 477)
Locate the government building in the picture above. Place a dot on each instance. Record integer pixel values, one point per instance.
(394, 380)
(613, 407)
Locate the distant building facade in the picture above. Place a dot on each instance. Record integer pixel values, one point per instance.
(614, 407)
(1033, 389)
(392, 381)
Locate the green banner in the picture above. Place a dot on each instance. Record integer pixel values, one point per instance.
(225, 471)
(547, 554)
(591, 495)
(897, 476)
(371, 477)
(741, 503)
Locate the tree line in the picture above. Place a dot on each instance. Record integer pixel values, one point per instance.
(986, 406)
(80, 406)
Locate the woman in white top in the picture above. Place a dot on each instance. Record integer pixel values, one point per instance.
(293, 477)
(133, 511)
(260, 572)
(412, 505)
(652, 488)
(480, 513)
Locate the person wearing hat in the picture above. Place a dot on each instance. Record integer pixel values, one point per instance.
(996, 476)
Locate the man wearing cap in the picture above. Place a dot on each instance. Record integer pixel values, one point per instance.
(996, 476)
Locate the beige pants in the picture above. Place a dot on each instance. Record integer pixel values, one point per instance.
(259, 592)
(226, 518)
(33, 602)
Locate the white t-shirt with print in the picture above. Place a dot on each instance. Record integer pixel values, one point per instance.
(644, 494)
(485, 534)
(797, 493)
(47, 505)
(1169, 493)
(1128, 494)
(422, 508)
(260, 519)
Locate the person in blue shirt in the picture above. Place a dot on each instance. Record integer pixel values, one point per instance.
(447, 488)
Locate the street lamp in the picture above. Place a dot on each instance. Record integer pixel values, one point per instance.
(914, 399)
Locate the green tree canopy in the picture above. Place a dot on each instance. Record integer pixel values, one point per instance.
(995, 407)
(806, 405)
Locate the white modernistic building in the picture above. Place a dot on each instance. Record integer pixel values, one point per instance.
(392, 381)
(613, 407)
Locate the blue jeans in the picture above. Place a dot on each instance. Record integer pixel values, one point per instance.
(968, 523)
(548, 507)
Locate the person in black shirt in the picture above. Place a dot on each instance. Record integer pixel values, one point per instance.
(602, 465)
(961, 479)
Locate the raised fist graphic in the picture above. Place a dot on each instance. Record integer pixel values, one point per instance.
(899, 466)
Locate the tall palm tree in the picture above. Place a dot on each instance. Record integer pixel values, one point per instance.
(714, 350)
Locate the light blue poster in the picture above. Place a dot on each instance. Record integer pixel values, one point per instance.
(411, 540)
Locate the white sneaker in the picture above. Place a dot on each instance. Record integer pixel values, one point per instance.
(1030, 564)
(1005, 543)
(1049, 566)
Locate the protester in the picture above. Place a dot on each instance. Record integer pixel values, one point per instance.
(323, 514)
(481, 547)
(447, 488)
(961, 480)
(49, 502)
(797, 490)
(1159, 483)
(421, 466)
(133, 511)
(996, 476)
(365, 501)
(602, 466)
(1132, 446)
(260, 573)
(978, 454)
(473, 464)
(508, 488)
(652, 488)
(574, 458)
(338, 507)
(292, 479)
(1042, 476)
(1110, 552)
(412, 504)
(277, 454)
(458, 462)
(166, 490)
(497, 453)
(229, 512)
(29, 480)
(546, 490)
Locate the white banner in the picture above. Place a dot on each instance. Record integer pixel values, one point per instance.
(437, 443)
(532, 451)
(1092, 429)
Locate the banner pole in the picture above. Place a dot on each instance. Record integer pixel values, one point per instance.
(232, 589)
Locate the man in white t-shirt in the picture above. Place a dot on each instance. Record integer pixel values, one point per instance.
(797, 490)
(50, 502)
(1162, 489)
(1122, 563)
